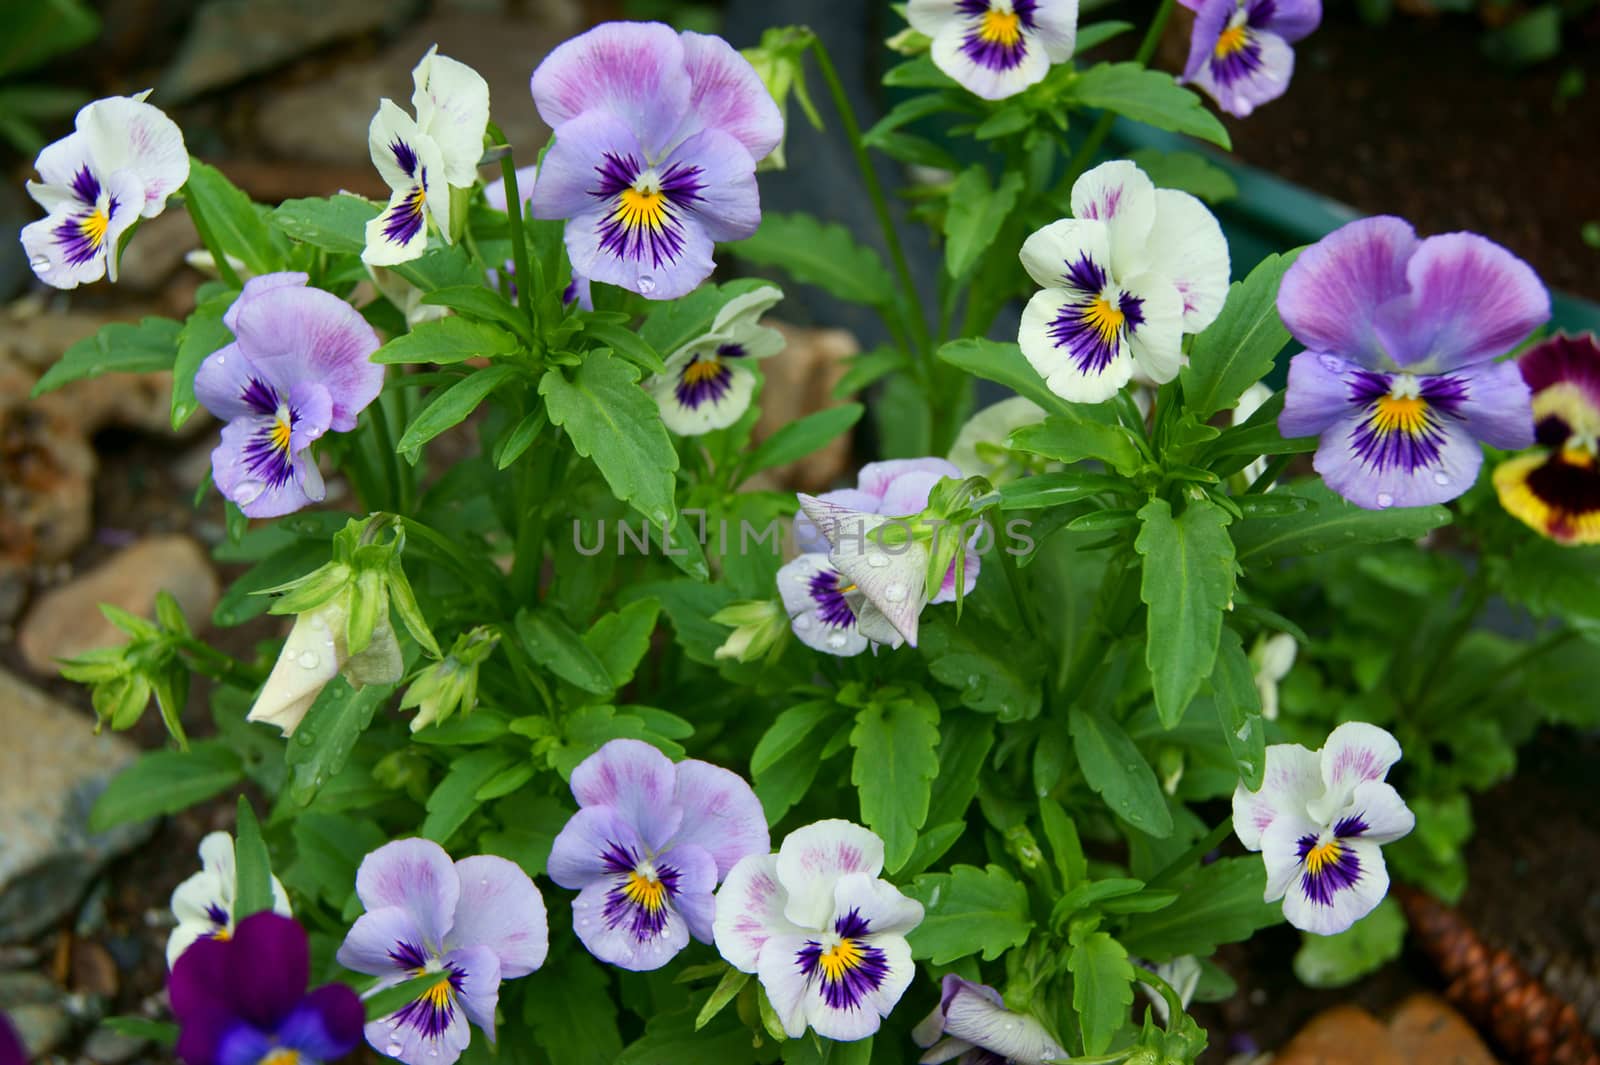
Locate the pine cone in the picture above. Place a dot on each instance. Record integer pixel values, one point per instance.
(1526, 1019)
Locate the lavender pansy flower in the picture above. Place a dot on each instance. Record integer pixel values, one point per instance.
(1319, 820)
(1398, 379)
(1131, 272)
(300, 365)
(647, 847)
(997, 48)
(822, 605)
(825, 936)
(1555, 488)
(1239, 49)
(657, 136)
(881, 566)
(121, 162)
(971, 1023)
(203, 904)
(243, 1001)
(422, 158)
(473, 923)
(709, 381)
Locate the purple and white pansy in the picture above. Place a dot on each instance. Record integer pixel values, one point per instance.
(422, 158)
(300, 365)
(474, 923)
(971, 1024)
(1398, 378)
(657, 137)
(204, 904)
(822, 932)
(1239, 49)
(709, 381)
(882, 572)
(997, 48)
(121, 162)
(1131, 272)
(1319, 821)
(647, 848)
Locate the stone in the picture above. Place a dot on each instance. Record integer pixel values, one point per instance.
(107, 1046)
(1426, 1029)
(52, 769)
(46, 481)
(1343, 1035)
(156, 251)
(94, 971)
(41, 1026)
(799, 381)
(66, 620)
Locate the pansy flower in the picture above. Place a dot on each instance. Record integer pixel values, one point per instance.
(1319, 820)
(243, 1001)
(647, 847)
(300, 365)
(1131, 272)
(1555, 489)
(657, 136)
(709, 381)
(971, 1023)
(1398, 379)
(422, 158)
(317, 650)
(882, 570)
(473, 923)
(12, 1052)
(1239, 49)
(122, 161)
(980, 447)
(822, 605)
(203, 904)
(997, 48)
(823, 934)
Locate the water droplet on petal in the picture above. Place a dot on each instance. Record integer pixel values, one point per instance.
(895, 593)
(309, 660)
(802, 623)
(877, 561)
(647, 284)
(837, 640)
(393, 1050)
(1385, 500)
(1330, 362)
(1441, 479)
(39, 264)
(248, 492)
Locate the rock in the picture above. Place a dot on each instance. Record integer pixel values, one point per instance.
(46, 481)
(94, 972)
(66, 621)
(1343, 1035)
(52, 768)
(157, 251)
(42, 1026)
(1426, 1029)
(107, 1046)
(800, 381)
(38, 336)
(229, 40)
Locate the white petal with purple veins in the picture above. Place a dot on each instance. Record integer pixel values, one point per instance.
(452, 105)
(720, 814)
(1121, 197)
(811, 861)
(750, 910)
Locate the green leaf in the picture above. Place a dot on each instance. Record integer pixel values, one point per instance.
(1065, 847)
(576, 996)
(820, 254)
(164, 782)
(324, 740)
(449, 407)
(866, 368)
(893, 771)
(991, 674)
(977, 211)
(1220, 903)
(447, 341)
(673, 323)
(727, 989)
(481, 302)
(787, 731)
(800, 438)
(163, 1033)
(918, 73)
(202, 334)
(620, 639)
(612, 421)
(393, 999)
(1363, 948)
(963, 756)
(37, 30)
(1328, 522)
(456, 796)
(1102, 988)
(1004, 364)
(969, 911)
(1116, 770)
(1098, 33)
(519, 439)
(118, 348)
(1148, 96)
(1054, 489)
(233, 219)
(1189, 172)
(554, 645)
(1187, 584)
(1073, 437)
(1241, 346)
(253, 863)
(628, 344)
(1238, 702)
(337, 223)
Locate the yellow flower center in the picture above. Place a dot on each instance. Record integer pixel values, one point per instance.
(1400, 414)
(1104, 318)
(438, 996)
(93, 226)
(1232, 40)
(641, 208)
(701, 370)
(281, 1056)
(280, 432)
(645, 891)
(1323, 855)
(1578, 454)
(841, 958)
(1001, 27)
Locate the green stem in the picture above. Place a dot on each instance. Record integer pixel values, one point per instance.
(1152, 36)
(392, 473)
(1530, 654)
(1175, 1005)
(217, 665)
(519, 244)
(1472, 602)
(880, 202)
(1275, 467)
(209, 239)
(1208, 843)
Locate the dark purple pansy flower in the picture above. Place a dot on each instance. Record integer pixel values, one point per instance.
(1239, 49)
(1399, 379)
(300, 365)
(243, 1001)
(997, 48)
(12, 1052)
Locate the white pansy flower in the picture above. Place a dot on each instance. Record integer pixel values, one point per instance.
(709, 382)
(314, 653)
(204, 903)
(1271, 659)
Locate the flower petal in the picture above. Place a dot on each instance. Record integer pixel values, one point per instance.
(580, 853)
(1318, 394)
(384, 942)
(634, 70)
(637, 781)
(811, 861)
(859, 1019)
(1293, 778)
(1188, 249)
(1354, 752)
(310, 657)
(1122, 198)
(820, 614)
(269, 967)
(131, 135)
(1329, 298)
(702, 396)
(452, 104)
(501, 909)
(1050, 254)
(877, 902)
(1331, 911)
(993, 73)
(720, 813)
(1376, 813)
(976, 1014)
(326, 1025)
(417, 876)
(479, 989)
(1346, 467)
(1497, 407)
(727, 94)
(1076, 373)
(1156, 339)
(1240, 82)
(611, 936)
(1289, 19)
(785, 983)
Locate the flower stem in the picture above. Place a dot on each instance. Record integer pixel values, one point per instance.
(217, 665)
(519, 246)
(1207, 843)
(1102, 126)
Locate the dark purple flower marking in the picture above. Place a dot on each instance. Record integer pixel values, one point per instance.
(1331, 866)
(432, 1013)
(702, 381)
(404, 219)
(1404, 427)
(217, 916)
(1094, 326)
(641, 895)
(847, 966)
(404, 157)
(997, 37)
(827, 590)
(85, 186)
(647, 207)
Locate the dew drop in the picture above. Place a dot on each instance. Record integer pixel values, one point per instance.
(393, 1050)
(1329, 362)
(304, 739)
(836, 641)
(802, 623)
(1441, 479)
(877, 561)
(895, 593)
(646, 284)
(1385, 500)
(39, 264)
(248, 492)
(309, 660)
